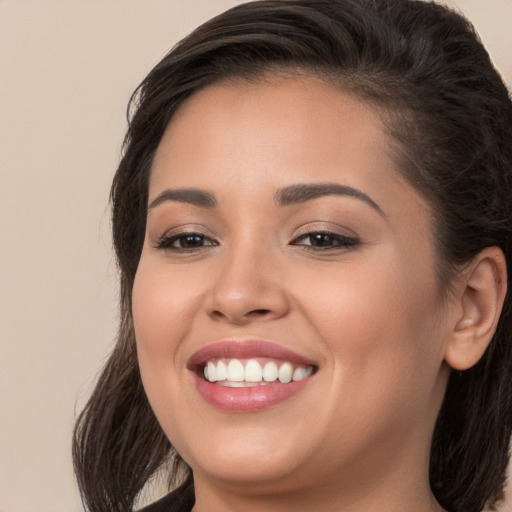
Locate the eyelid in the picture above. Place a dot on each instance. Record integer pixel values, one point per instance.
(165, 240)
(324, 227)
(342, 241)
(343, 238)
(183, 229)
(166, 243)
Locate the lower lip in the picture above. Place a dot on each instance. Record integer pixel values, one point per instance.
(249, 399)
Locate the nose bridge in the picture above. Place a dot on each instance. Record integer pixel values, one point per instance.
(247, 285)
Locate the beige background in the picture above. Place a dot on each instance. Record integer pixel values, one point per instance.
(67, 69)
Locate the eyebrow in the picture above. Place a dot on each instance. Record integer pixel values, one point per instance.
(295, 194)
(193, 196)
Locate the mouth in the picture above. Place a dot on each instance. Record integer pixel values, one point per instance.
(245, 376)
(253, 372)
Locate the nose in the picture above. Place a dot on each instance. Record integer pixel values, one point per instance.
(247, 288)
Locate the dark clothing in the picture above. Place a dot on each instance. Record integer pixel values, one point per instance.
(180, 500)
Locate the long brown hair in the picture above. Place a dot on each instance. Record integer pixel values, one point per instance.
(450, 115)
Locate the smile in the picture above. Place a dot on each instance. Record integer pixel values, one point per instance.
(254, 372)
(247, 376)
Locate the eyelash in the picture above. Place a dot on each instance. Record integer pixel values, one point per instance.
(337, 241)
(167, 242)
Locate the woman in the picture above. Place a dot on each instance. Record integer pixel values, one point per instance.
(313, 226)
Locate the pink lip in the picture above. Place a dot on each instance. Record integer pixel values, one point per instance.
(247, 399)
(250, 398)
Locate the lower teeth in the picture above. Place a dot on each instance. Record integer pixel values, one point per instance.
(228, 384)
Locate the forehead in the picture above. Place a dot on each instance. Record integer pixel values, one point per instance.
(278, 125)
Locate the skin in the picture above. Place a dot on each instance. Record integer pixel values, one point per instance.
(369, 313)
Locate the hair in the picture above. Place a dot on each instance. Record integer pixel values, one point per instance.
(424, 69)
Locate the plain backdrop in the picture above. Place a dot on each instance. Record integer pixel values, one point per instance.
(67, 69)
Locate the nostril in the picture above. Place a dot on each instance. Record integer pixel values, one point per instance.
(243, 317)
(259, 312)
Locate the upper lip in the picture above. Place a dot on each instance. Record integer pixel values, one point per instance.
(246, 349)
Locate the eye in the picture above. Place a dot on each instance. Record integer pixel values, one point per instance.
(325, 240)
(185, 242)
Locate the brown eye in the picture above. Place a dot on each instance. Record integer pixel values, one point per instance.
(189, 241)
(322, 240)
(185, 242)
(325, 241)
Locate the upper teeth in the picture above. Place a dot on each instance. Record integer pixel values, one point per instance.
(236, 372)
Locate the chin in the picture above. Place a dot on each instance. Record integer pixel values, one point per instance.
(246, 454)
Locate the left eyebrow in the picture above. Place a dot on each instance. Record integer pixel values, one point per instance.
(301, 193)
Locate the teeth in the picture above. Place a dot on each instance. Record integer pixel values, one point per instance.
(270, 372)
(301, 372)
(285, 373)
(228, 384)
(222, 371)
(212, 372)
(235, 371)
(253, 371)
(235, 374)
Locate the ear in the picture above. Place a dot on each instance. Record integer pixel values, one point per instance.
(480, 299)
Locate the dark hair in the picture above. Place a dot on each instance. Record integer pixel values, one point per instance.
(450, 117)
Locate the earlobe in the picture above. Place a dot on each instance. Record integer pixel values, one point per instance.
(481, 297)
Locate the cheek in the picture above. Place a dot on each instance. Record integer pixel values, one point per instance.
(379, 322)
(162, 304)
(161, 309)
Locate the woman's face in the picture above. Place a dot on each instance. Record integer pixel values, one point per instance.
(282, 244)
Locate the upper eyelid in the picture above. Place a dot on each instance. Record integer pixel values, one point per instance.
(334, 235)
(307, 228)
(341, 236)
(187, 229)
(180, 234)
(167, 246)
(341, 242)
(170, 236)
(323, 227)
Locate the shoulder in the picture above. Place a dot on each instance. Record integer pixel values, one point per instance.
(180, 500)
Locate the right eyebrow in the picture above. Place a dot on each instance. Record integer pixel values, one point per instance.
(193, 196)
